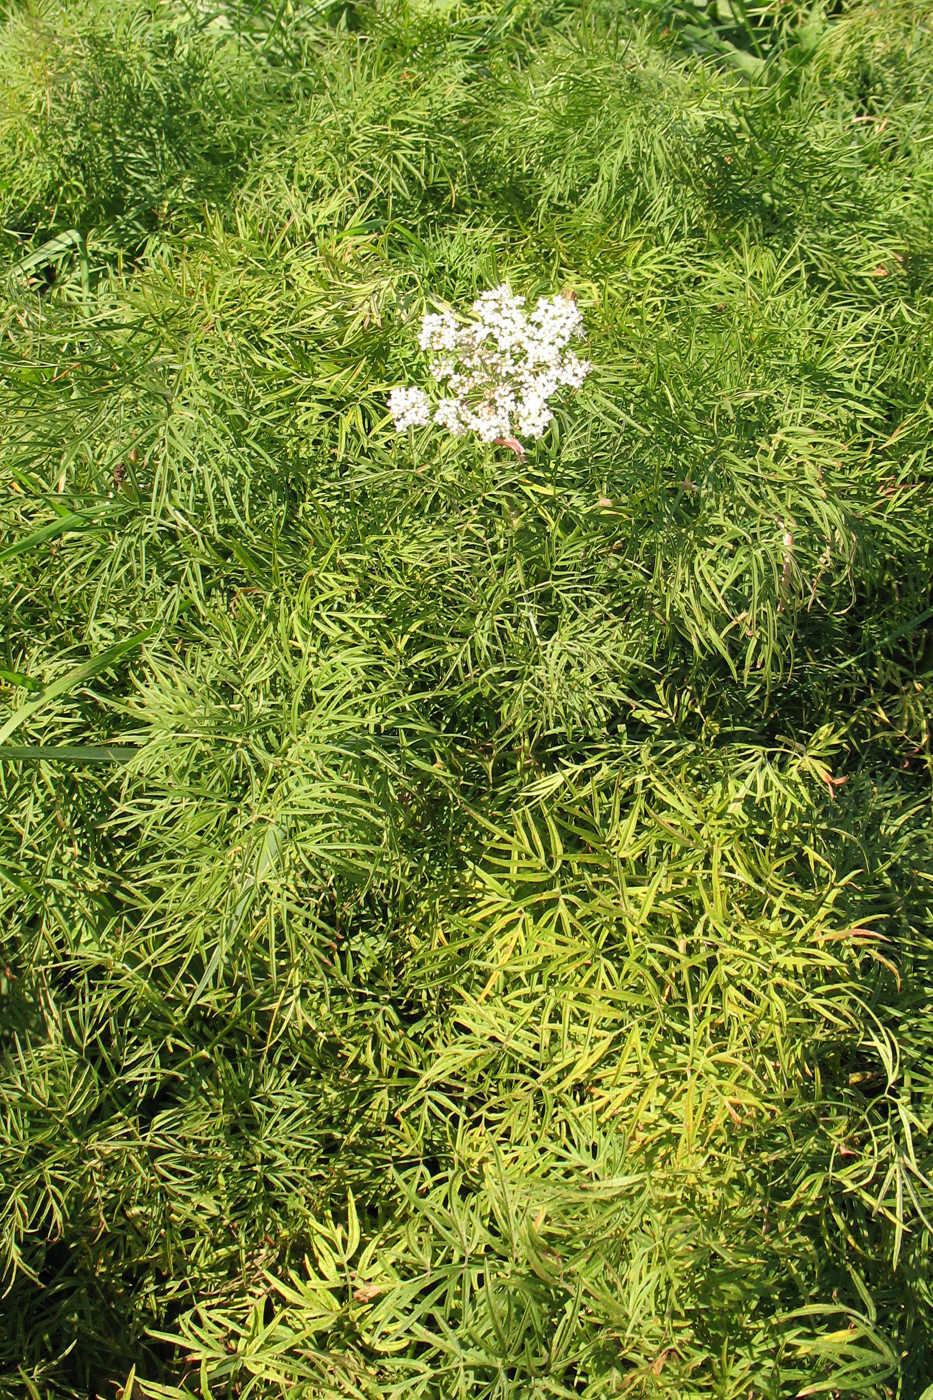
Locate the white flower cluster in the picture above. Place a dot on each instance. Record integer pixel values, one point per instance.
(411, 408)
(501, 367)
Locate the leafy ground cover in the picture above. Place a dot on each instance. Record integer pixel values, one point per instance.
(466, 920)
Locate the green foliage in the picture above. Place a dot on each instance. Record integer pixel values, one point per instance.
(467, 922)
(119, 120)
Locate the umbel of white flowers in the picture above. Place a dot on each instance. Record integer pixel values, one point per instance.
(499, 368)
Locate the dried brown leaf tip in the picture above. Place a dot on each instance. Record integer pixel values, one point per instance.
(512, 443)
(366, 1292)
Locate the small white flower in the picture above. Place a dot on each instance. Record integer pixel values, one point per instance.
(501, 366)
(438, 332)
(411, 408)
(573, 371)
(449, 415)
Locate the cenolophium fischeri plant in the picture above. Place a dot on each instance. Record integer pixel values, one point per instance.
(501, 367)
(466, 927)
